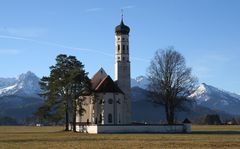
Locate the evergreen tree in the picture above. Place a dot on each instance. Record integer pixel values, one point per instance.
(67, 81)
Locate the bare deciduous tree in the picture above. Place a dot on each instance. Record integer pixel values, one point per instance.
(171, 82)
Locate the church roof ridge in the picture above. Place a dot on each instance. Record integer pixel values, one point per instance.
(108, 85)
(100, 70)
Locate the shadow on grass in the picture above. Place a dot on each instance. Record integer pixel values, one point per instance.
(216, 132)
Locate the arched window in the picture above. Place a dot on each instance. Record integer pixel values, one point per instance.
(100, 118)
(119, 101)
(123, 49)
(119, 118)
(110, 101)
(110, 118)
(96, 120)
(118, 47)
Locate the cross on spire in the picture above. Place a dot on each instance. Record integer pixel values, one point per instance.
(121, 14)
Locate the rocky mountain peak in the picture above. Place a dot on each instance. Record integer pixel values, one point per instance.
(25, 84)
(140, 81)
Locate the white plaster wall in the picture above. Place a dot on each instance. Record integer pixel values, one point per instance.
(123, 72)
(115, 108)
(92, 129)
(108, 108)
(86, 115)
(187, 127)
(139, 129)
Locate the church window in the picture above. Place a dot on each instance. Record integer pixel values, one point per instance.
(101, 101)
(119, 58)
(118, 38)
(87, 121)
(119, 118)
(109, 118)
(110, 101)
(95, 120)
(118, 47)
(119, 101)
(100, 118)
(123, 49)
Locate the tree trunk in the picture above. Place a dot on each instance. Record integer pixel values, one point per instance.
(171, 118)
(67, 121)
(172, 114)
(167, 113)
(74, 115)
(66, 117)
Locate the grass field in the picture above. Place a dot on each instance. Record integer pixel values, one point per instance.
(55, 137)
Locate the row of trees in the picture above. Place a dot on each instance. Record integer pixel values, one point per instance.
(62, 88)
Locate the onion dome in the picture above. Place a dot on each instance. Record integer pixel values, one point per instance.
(122, 28)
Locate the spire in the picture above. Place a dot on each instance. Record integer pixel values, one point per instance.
(122, 28)
(122, 16)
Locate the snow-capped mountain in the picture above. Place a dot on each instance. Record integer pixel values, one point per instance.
(26, 84)
(209, 99)
(217, 99)
(140, 81)
(5, 82)
(205, 95)
(19, 96)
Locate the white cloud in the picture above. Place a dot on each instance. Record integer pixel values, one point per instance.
(64, 46)
(202, 71)
(128, 7)
(23, 32)
(93, 9)
(206, 65)
(147, 60)
(217, 58)
(9, 51)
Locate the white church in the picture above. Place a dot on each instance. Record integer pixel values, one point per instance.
(110, 103)
(108, 109)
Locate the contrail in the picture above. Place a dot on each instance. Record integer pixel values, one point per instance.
(68, 47)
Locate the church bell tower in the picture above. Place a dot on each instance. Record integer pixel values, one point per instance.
(122, 66)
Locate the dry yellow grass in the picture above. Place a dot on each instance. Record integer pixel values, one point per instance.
(55, 137)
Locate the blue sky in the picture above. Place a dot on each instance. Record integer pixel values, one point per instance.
(206, 32)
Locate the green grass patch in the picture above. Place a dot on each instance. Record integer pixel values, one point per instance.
(54, 137)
